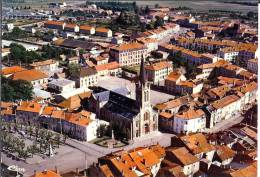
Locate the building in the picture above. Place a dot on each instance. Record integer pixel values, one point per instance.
(59, 25)
(111, 68)
(87, 77)
(35, 77)
(157, 72)
(136, 118)
(84, 29)
(252, 65)
(150, 43)
(104, 32)
(46, 66)
(9, 71)
(143, 161)
(128, 54)
(71, 28)
(46, 173)
(61, 85)
(222, 109)
(184, 158)
(189, 121)
(224, 155)
(99, 60)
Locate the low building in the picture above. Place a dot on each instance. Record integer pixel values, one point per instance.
(166, 121)
(35, 77)
(46, 173)
(111, 68)
(224, 155)
(60, 85)
(184, 158)
(46, 66)
(104, 32)
(252, 65)
(99, 60)
(189, 121)
(85, 29)
(73, 60)
(128, 54)
(151, 44)
(158, 71)
(59, 25)
(9, 71)
(71, 28)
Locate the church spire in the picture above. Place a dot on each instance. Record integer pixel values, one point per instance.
(142, 75)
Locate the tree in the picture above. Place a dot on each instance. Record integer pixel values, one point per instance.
(156, 5)
(73, 70)
(16, 33)
(147, 10)
(158, 22)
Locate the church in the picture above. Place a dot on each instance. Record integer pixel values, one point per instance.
(136, 118)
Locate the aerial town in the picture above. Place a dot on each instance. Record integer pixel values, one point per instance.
(128, 89)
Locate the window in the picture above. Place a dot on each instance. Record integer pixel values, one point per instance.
(146, 116)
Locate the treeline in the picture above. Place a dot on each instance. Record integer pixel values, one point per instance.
(242, 3)
(114, 5)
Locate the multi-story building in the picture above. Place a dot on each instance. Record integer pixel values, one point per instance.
(157, 72)
(150, 43)
(128, 54)
(252, 65)
(61, 85)
(189, 121)
(87, 77)
(111, 68)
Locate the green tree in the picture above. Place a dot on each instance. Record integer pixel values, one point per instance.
(73, 70)
(158, 22)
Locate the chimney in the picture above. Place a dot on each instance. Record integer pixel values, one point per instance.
(35, 172)
(45, 171)
(77, 171)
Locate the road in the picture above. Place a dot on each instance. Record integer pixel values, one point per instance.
(225, 124)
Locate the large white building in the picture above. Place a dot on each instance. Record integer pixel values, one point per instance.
(129, 54)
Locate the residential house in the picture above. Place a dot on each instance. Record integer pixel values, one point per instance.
(28, 112)
(71, 28)
(59, 25)
(9, 71)
(87, 77)
(224, 155)
(111, 68)
(184, 158)
(189, 121)
(104, 32)
(128, 54)
(222, 109)
(166, 121)
(85, 29)
(99, 60)
(46, 66)
(150, 43)
(35, 77)
(252, 65)
(46, 173)
(157, 72)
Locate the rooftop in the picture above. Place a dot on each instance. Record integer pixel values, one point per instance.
(29, 75)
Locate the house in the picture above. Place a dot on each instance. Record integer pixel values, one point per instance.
(71, 28)
(143, 161)
(198, 145)
(248, 171)
(252, 65)
(9, 71)
(128, 54)
(85, 29)
(35, 77)
(157, 72)
(60, 85)
(104, 32)
(224, 155)
(46, 66)
(86, 77)
(186, 160)
(59, 25)
(111, 68)
(5, 51)
(73, 60)
(28, 112)
(222, 109)
(166, 121)
(150, 43)
(99, 60)
(46, 173)
(189, 121)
